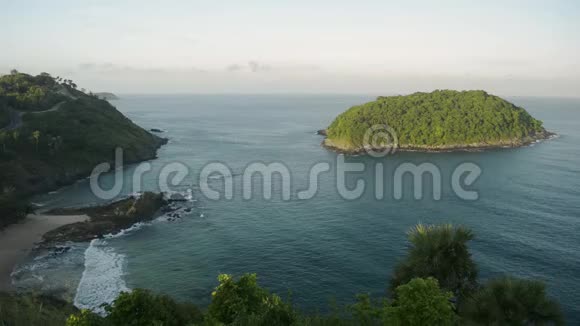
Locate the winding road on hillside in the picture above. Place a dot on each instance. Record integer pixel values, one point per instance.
(16, 116)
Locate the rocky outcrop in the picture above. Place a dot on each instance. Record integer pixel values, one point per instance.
(108, 219)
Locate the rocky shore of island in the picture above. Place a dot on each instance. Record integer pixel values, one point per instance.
(473, 147)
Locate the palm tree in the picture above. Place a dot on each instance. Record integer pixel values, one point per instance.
(3, 140)
(36, 137)
(511, 301)
(441, 252)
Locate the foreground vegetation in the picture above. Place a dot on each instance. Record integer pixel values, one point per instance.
(53, 134)
(443, 119)
(435, 284)
(25, 310)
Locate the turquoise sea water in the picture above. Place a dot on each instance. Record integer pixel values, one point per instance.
(527, 219)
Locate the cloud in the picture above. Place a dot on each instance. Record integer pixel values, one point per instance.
(259, 67)
(234, 67)
(109, 67)
(106, 66)
(250, 66)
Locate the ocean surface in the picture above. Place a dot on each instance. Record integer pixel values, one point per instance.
(526, 219)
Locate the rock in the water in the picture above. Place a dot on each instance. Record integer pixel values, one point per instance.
(177, 197)
(321, 132)
(108, 219)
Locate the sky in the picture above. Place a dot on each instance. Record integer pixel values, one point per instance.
(527, 48)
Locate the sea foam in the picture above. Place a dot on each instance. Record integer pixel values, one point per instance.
(102, 280)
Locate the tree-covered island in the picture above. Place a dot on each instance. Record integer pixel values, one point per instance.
(442, 120)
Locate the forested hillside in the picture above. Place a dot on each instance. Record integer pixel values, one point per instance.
(51, 134)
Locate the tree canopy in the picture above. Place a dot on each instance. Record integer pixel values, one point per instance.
(29, 93)
(443, 118)
(439, 251)
(511, 301)
(423, 297)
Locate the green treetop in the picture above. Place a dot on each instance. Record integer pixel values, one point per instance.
(443, 118)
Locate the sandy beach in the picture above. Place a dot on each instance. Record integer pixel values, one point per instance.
(17, 240)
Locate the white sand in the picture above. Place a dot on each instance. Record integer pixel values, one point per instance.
(17, 240)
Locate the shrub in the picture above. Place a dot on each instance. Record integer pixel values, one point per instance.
(244, 302)
(511, 301)
(441, 252)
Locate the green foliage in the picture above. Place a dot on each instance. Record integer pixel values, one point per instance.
(421, 302)
(240, 302)
(511, 301)
(53, 148)
(418, 301)
(86, 318)
(16, 136)
(243, 302)
(441, 252)
(29, 93)
(367, 311)
(27, 309)
(89, 123)
(36, 137)
(438, 119)
(142, 308)
(4, 115)
(3, 137)
(12, 208)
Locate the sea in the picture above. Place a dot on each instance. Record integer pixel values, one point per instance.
(322, 247)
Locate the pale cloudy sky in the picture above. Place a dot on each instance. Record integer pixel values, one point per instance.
(371, 47)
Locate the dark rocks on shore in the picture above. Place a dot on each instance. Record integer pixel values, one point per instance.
(108, 219)
(156, 130)
(321, 132)
(169, 208)
(59, 250)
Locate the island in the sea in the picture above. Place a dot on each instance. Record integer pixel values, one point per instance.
(106, 96)
(443, 120)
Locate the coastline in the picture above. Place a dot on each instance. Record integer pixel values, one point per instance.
(18, 240)
(476, 147)
(56, 182)
(67, 227)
